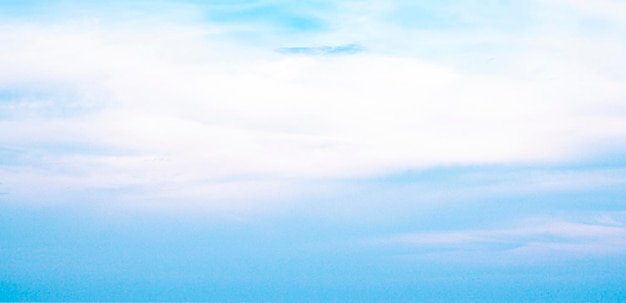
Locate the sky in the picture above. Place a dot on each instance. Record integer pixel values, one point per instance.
(312, 151)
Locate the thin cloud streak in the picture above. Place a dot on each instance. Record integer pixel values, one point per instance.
(521, 241)
(348, 49)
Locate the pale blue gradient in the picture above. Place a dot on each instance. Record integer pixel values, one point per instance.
(74, 253)
(85, 217)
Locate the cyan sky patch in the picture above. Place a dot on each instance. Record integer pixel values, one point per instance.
(278, 16)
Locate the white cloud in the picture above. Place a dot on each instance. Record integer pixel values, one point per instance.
(608, 10)
(212, 109)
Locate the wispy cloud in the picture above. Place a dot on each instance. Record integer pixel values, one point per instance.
(522, 241)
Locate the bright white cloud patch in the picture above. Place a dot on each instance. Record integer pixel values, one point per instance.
(180, 112)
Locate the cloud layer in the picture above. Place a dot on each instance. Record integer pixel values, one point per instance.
(154, 103)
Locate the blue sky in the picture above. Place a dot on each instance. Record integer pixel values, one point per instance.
(280, 151)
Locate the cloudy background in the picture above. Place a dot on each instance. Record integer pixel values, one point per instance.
(353, 151)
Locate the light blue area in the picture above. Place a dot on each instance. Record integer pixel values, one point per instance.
(348, 49)
(424, 15)
(80, 253)
(268, 14)
(456, 15)
(281, 16)
(44, 101)
(11, 157)
(42, 155)
(13, 6)
(71, 254)
(7, 95)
